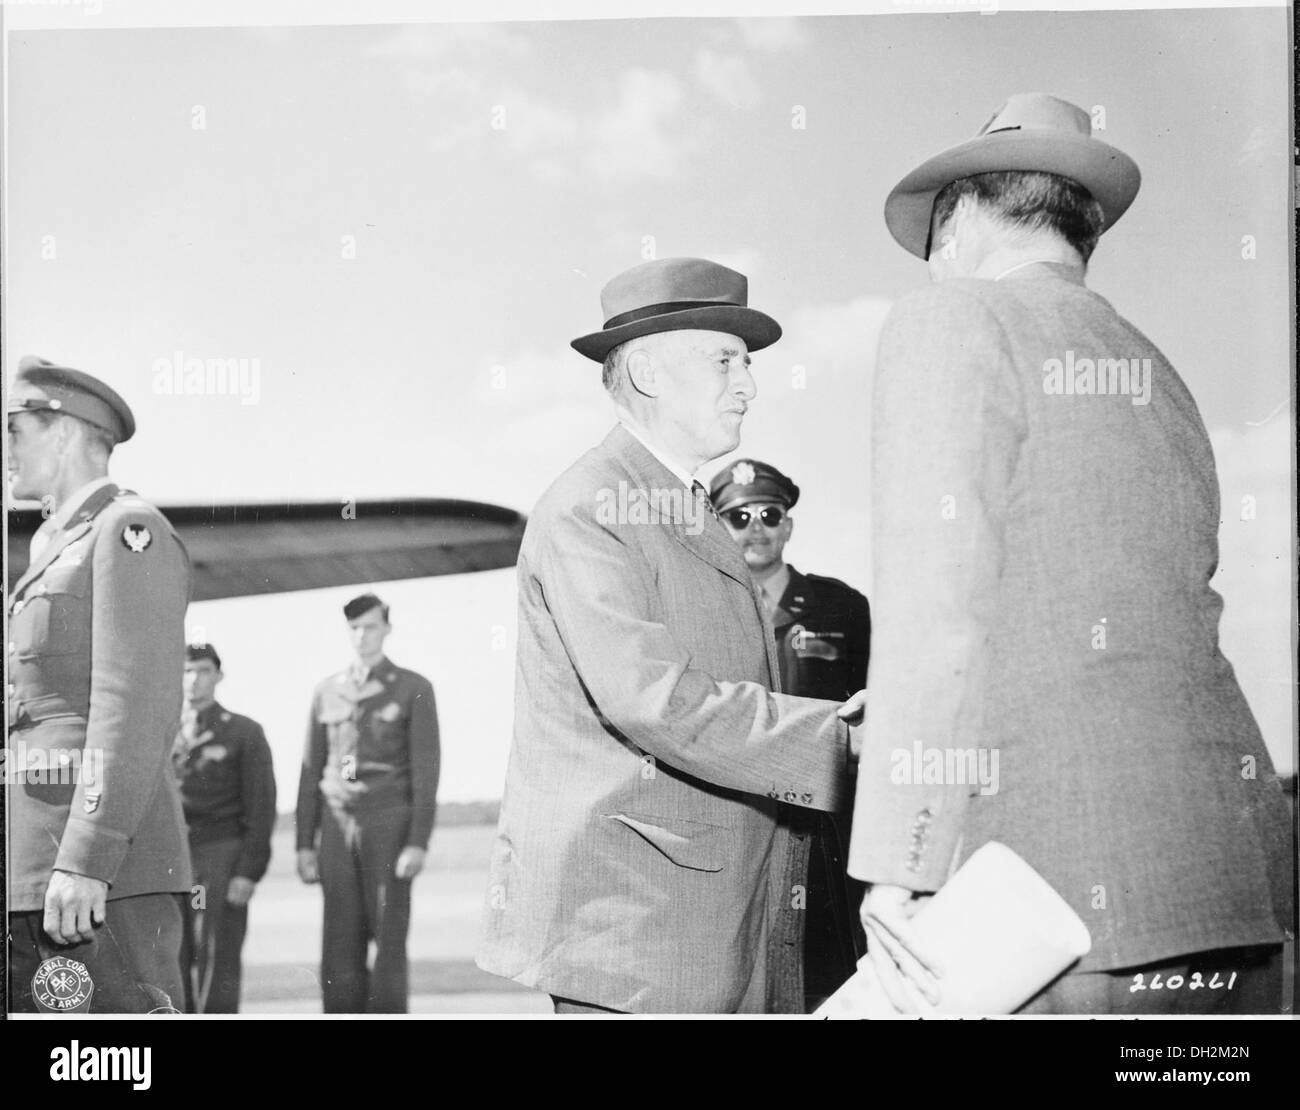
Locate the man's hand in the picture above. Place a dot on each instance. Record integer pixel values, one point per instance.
(74, 905)
(854, 709)
(241, 890)
(308, 865)
(852, 712)
(905, 972)
(410, 863)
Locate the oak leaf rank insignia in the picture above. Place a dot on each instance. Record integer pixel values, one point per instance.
(742, 474)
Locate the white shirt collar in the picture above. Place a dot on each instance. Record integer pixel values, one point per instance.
(63, 515)
(686, 477)
(76, 499)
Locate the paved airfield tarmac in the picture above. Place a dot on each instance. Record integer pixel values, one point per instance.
(282, 953)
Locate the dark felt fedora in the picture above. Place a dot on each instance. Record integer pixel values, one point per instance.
(1031, 131)
(670, 294)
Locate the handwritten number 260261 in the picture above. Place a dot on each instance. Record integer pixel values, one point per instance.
(1177, 982)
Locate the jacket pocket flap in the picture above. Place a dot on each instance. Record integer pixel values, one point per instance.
(334, 713)
(48, 707)
(67, 579)
(691, 844)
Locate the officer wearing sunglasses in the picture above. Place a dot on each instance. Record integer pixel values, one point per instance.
(823, 632)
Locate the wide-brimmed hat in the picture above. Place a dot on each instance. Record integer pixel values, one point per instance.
(1031, 131)
(670, 294)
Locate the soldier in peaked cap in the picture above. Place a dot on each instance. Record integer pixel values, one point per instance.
(97, 853)
(823, 632)
(640, 865)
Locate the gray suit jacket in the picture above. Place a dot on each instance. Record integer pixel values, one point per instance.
(638, 864)
(1042, 567)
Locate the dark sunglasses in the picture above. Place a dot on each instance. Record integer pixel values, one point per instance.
(739, 518)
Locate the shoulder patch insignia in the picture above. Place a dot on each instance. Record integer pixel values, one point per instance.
(136, 537)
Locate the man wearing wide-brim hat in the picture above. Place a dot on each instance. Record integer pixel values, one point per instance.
(97, 846)
(639, 865)
(1045, 511)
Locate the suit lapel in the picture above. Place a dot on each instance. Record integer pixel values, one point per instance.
(702, 535)
(77, 527)
(705, 537)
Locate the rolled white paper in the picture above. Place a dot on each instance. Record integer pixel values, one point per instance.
(996, 928)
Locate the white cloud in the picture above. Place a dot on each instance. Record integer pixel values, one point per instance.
(838, 339)
(534, 124)
(746, 261)
(631, 139)
(628, 135)
(729, 78)
(442, 42)
(811, 419)
(772, 35)
(537, 413)
(1256, 571)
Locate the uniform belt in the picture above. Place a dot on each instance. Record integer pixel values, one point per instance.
(27, 712)
(369, 768)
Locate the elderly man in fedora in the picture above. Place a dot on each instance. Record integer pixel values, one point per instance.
(1045, 520)
(639, 865)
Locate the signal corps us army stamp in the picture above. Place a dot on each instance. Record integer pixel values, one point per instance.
(62, 986)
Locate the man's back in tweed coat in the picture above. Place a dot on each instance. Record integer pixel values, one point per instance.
(1042, 565)
(638, 865)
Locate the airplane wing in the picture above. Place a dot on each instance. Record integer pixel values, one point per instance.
(239, 550)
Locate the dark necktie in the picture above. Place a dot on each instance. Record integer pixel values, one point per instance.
(698, 487)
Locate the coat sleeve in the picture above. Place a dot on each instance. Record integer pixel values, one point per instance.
(257, 795)
(599, 589)
(859, 641)
(314, 752)
(425, 763)
(139, 596)
(946, 428)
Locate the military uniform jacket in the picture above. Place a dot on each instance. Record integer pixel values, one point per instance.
(638, 863)
(96, 650)
(823, 635)
(228, 786)
(370, 747)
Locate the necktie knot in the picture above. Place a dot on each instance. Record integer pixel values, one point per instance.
(700, 492)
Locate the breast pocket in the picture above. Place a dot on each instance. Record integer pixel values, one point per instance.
(55, 616)
(386, 726)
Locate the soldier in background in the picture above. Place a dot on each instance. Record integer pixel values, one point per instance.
(97, 854)
(372, 758)
(223, 764)
(823, 632)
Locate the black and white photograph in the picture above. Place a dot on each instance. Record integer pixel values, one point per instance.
(580, 512)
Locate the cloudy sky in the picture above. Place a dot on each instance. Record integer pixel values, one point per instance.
(404, 226)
